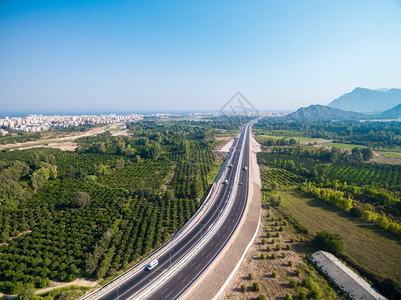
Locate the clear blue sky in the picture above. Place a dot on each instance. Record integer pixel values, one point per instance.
(77, 55)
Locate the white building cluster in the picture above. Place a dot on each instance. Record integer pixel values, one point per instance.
(35, 123)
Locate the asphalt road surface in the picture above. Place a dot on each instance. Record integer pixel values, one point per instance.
(181, 280)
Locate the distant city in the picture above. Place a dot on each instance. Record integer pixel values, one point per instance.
(36, 123)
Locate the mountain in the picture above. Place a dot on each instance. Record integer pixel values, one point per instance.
(368, 101)
(321, 112)
(394, 113)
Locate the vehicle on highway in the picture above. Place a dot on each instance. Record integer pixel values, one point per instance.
(241, 183)
(226, 181)
(230, 166)
(245, 168)
(152, 264)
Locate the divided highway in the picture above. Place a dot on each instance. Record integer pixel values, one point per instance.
(178, 282)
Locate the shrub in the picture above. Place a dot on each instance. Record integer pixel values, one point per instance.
(315, 293)
(288, 296)
(243, 288)
(268, 235)
(356, 212)
(307, 282)
(262, 297)
(263, 242)
(292, 240)
(277, 234)
(297, 272)
(302, 295)
(285, 223)
(281, 228)
(263, 255)
(268, 248)
(251, 276)
(256, 286)
(274, 274)
(390, 288)
(293, 283)
(273, 241)
(284, 255)
(327, 241)
(290, 263)
(278, 247)
(276, 223)
(288, 247)
(274, 255)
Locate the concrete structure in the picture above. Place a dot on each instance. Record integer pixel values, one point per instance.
(346, 279)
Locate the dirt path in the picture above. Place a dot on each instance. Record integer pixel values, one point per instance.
(77, 282)
(13, 237)
(65, 143)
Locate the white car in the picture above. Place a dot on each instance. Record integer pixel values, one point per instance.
(152, 264)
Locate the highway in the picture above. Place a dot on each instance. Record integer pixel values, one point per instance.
(178, 283)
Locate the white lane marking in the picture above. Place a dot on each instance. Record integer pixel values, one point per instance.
(192, 264)
(169, 294)
(207, 255)
(180, 276)
(198, 267)
(164, 291)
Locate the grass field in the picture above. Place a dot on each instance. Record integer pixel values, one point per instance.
(391, 154)
(371, 247)
(343, 146)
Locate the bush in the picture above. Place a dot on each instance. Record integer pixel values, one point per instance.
(292, 240)
(274, 274)
(356, 212)
(390, 288)
(262, 297)
(288, 296)
(243, 288)
(273, 241)
(290, 263)
(251, 276)
(263, 242)
(268, 235)
(274, 255)
(293, 283)
(327, 241)
(268, 248)
(263, 255)
(284, 255)
(256, 286)
(297, 272)
(288, 247)
(281, 228)
(315, 293)
(277, 234)
(278, 247)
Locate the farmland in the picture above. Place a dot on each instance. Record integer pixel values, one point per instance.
(338, 188)
(95, 212)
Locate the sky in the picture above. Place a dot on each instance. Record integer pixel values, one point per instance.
(114, 56)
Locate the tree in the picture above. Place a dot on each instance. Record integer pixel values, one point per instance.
(327, 241)
(81, 199)
(367, 154)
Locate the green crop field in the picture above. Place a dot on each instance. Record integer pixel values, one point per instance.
(343, 146)
(391, 154)
(373, 248)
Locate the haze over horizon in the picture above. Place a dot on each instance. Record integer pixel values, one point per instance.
(71, 56)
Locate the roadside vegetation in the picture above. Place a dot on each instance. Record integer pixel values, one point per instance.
(339, 191)
(97, 211)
